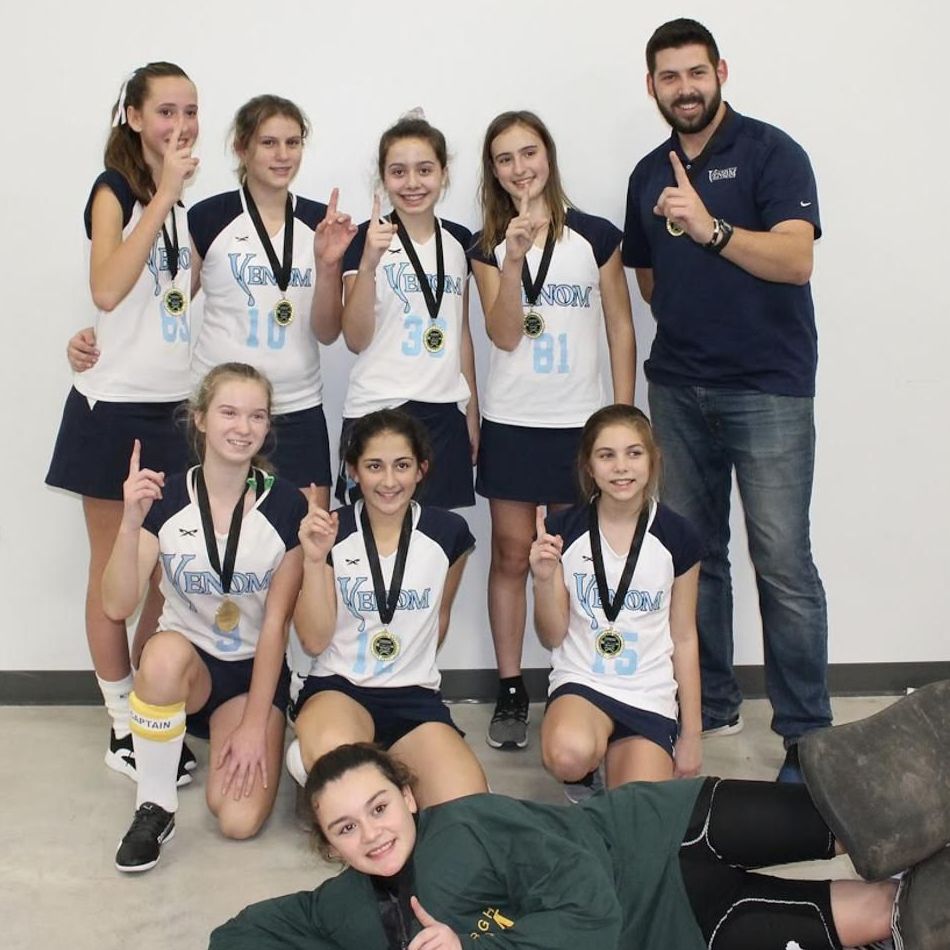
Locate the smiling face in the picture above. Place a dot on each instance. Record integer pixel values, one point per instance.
(620, 464)
(520, 162)
(367, 821)
(413, 176)
(687, 87)
(272, 158)
(387, 472)
(168, 99)
(236, 422)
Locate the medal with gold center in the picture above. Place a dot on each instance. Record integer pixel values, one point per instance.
(532, 323)
(609, 641)
(283, 310)
(433, 337)
(227, 616)
(173, 300)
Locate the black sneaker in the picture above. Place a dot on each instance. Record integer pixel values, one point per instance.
(141, 847)
(509, 723)
(120, 756)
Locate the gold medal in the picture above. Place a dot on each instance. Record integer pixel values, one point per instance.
(434, 339)
(533, 324)
(174, 301)
(227, 615)
(385, 646)
(673, 228)
(283, 312)
(609, 643)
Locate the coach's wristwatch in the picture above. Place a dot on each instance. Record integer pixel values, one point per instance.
(722, 234)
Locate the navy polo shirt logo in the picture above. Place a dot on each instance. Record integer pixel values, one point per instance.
(717, 174)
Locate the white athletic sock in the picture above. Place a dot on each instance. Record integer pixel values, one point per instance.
(295, 765)
(158, 733)
(116, 696)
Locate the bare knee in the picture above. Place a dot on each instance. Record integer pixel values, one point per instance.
(509, 556)
(239, 821)
(165, 662)
(569, 757)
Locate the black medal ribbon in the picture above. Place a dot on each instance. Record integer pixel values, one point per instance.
(171, 246)
(433, 301)
(281, 269)
(532, 289)
(226, 571)
(610, 607)
(386, 600)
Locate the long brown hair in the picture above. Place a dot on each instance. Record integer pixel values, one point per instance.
(123, 152)
(201, 399)
(498, 207)
(253, 114)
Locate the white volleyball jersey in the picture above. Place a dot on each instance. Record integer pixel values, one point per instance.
(192, 587)
(554, 381)
(642, 674)
(144, 350)
(396, 367)
(241, 291)
(362, 646)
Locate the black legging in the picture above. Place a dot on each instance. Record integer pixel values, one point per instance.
(737, 825)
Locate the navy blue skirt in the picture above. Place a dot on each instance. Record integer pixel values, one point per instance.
(299, 447)
(523, 463)
(94, 444)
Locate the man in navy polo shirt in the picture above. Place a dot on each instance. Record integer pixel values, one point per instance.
(720, 226)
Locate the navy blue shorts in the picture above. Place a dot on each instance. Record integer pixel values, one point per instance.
(396, 710)
(230, 678)
(93, 446)
(299, 447)
(448, 483)
(521, 463)
(628, 720)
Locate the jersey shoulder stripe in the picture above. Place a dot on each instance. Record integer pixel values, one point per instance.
(354, 252)
(460, 234)
(448, 529)
(309, 211)
(117, 184)
(284, 507)
(570, 524)
(677, 535)
(174, 499)
(208, 218)
(603, 237)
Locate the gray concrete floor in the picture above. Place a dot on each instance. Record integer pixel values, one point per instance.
(63, 813)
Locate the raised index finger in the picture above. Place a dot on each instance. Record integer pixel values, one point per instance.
(136, 455)
(523, 206)
(312, 499)
(374, 214)
(331, 207)
(682, 179)
(422, 915)
(539, 521)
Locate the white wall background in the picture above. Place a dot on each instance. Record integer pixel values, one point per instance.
(864, 92)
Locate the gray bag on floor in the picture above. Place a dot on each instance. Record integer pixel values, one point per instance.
(883, 783)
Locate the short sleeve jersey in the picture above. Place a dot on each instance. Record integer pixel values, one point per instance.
(717, 324)
(241, 291)
(190, 585)
(554, 381)
(144, 349)
(642, 674)
(397, 367)
(439, 538)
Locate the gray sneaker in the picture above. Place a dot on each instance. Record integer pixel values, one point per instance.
(587, 787)
(509, 723)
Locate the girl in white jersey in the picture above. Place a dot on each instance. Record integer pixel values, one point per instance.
(406, 313)
(268, 262)
(270, 265)
(615, 585)
(140, 276)
(550, 279)
(379, 581)
(225, 536)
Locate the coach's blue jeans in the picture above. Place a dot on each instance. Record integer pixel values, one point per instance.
(705, 433)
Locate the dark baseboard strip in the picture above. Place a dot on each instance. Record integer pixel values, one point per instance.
(79, 688)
